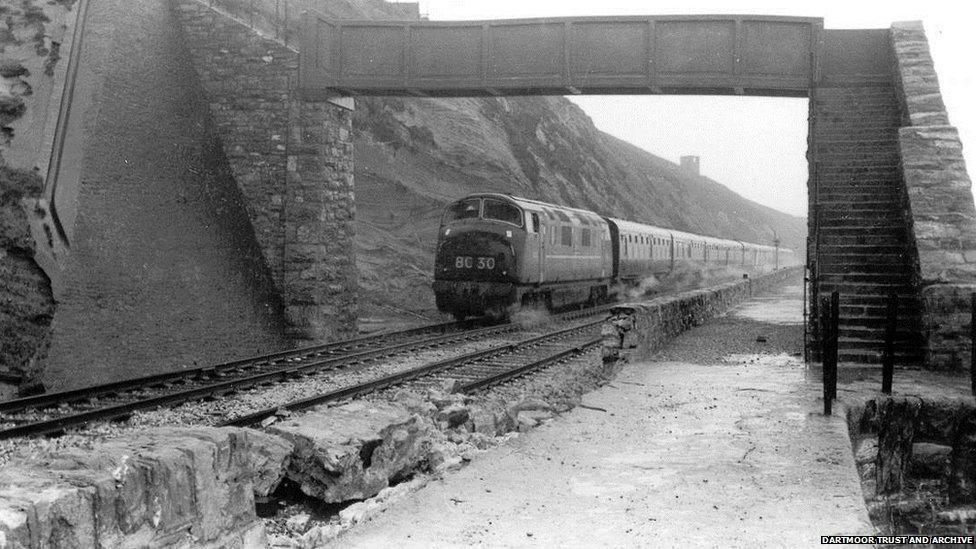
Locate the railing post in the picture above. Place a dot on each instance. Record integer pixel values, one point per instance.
(834, 341)
(972, 341)
(888, 358)
(823, 319)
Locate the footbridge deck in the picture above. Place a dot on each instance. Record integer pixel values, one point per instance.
(717, 54)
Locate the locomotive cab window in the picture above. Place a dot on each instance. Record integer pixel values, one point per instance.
(502, 211)
(464, 209)
(535, 223)
(585, 238)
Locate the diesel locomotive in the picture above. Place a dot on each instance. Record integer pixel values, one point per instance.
(496, 252)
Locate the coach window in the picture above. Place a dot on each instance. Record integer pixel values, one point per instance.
(502, 211)
(585, 238)
(535, 223)
(567, 236)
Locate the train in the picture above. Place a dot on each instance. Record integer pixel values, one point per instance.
(497, 253)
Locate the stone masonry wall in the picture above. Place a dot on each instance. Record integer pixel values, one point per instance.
(293, 164)
(940, 200)
(163, 488)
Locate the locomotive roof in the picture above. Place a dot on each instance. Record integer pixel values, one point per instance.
(554, 211)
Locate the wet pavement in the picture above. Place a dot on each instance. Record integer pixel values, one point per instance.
(716, 441)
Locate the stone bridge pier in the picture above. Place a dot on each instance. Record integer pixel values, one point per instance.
(292, 159)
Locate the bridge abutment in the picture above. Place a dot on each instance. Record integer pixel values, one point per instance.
(939, 200)
(292, 161)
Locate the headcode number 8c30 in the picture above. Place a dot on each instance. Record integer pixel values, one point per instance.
(468, 262)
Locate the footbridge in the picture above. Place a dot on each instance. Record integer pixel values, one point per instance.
(721, 54)
(890, 212)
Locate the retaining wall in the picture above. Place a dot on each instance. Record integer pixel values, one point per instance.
(939, 199)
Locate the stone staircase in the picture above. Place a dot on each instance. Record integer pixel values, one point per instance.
(858, 225)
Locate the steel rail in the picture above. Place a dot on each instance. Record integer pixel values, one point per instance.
(59, 424)
(399, 377)
(77, 419)
(524, 369)
(74, 395)
(87, 393)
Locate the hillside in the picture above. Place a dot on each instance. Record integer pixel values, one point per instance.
(413, 156)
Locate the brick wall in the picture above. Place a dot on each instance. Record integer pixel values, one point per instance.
(940, 201)
(292, 161)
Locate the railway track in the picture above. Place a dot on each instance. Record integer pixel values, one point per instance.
(57, 412)
(473, 371)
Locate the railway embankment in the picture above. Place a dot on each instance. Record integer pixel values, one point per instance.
(171, 487)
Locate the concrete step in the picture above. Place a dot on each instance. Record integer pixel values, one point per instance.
(910, 300)
(904, 347)
(886, 170)
(905, 310)
(853, 195)
(855, 182)
(834, 130)
(902, 356)
(879, 131)
(850, 230)
(853, 248)
(853, 198)
(850, 112)
(906, 334)
(884, 278)
(827, 239)
(859, 268)
(864, 207)
(860, 288)
(833, 258)
(831, 215)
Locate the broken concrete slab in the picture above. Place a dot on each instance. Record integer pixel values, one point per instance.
(355, 450)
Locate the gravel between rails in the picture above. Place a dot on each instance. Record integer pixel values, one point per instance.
(211, 412)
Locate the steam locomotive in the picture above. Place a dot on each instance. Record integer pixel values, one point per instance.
(497, 252)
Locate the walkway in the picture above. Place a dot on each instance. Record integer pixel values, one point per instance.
(716, 442)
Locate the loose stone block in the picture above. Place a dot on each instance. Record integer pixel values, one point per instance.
(931, 460)
(353, 451)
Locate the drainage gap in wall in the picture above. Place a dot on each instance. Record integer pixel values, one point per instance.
(290, 511)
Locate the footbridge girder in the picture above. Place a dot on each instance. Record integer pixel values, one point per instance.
(717, 54)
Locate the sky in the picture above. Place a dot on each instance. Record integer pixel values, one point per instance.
(756, 146)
